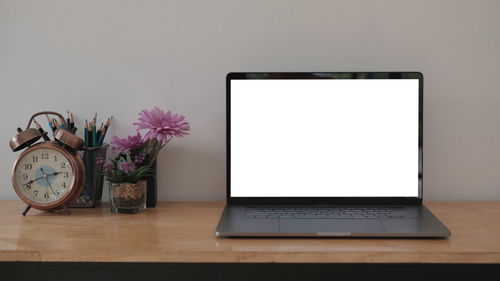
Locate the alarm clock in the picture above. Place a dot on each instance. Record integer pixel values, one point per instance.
(47, 175)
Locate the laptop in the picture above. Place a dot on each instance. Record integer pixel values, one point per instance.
(325, 155)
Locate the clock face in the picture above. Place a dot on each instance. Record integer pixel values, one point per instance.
(44, 175)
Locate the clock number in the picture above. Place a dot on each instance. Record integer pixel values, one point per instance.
(63, 165)
(46, 195)
(45, 155)
(28, 166)
(35, 158)
(66, 174)
(64, 185)
(55, 158)
(36, 192)
(25, 176)
(28, 186)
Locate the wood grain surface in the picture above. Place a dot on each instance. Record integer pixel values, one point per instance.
(185, 232)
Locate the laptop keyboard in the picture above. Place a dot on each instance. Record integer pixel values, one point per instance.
(327, 213)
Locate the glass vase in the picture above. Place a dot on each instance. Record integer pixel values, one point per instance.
(127, 197)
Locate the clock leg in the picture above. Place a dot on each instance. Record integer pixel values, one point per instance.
(66, 210)
(28, 207)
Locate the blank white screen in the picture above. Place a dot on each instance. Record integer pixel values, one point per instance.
(324, 138)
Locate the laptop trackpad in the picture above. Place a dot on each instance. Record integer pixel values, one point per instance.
(332, 225)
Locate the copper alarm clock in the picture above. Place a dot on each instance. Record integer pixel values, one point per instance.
(48, 175)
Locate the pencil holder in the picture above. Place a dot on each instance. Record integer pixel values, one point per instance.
(94, 180)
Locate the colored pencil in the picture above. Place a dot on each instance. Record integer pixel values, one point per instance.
(103, 134)
(101, 138)
(108, 122)
(67, 121)
(106, 125)
(62, 124)
(55, 124)
(94, 120)
(86, 133)
(42, 132)
(94, 132)
(99, 133)
(91, 137)
(104, 131)
(72, 123)
(50, 123)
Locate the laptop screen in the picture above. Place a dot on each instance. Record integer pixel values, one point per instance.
(324, 137)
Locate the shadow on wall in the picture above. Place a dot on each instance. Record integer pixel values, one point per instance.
(184, 172)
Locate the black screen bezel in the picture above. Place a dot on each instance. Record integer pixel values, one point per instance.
(323, 200)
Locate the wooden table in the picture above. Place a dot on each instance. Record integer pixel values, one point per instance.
(183, 234)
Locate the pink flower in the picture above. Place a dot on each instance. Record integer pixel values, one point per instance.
(103, 164)
(162, 126)
(127, 166)
(108, 167)
(100, 161)
(139, 158)
(126, 144)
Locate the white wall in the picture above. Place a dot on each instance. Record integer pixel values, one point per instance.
(118, 57)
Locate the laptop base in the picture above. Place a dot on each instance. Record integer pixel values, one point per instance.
(235, 222)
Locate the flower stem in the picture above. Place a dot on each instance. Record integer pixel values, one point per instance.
(155, 151)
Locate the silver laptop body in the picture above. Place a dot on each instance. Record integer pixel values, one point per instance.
(325, 155)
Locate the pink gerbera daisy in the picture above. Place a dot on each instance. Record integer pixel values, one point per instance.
(162, 126)
(126, 144)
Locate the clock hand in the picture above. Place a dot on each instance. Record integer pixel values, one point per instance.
(45, 176)
(54, 174)
(46, 179)
(32, 181)
(41, 169)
